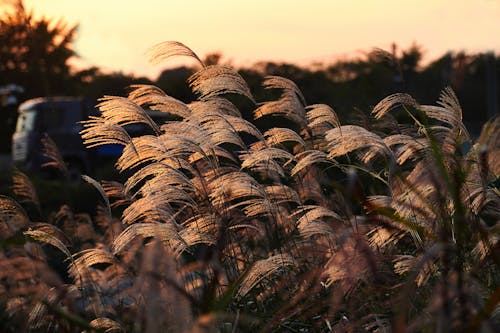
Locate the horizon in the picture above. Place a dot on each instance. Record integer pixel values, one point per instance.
(115, 37)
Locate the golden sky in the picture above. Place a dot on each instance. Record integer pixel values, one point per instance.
(115, 34)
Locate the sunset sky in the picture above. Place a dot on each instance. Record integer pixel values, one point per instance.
(115, 34)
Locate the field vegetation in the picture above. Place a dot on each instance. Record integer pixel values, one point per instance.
(292, 222)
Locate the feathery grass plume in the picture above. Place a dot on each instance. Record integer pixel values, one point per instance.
(321, 114)
(281, 193)
(313, 220)
(479, 191)
(391, 102)
(12, 212)
(204, 223)
(165, 50)
(223, 129)
(192, 236)
(235, 124)
(166, 232)
(234, 186)
(158, 192)
(107, 325)
(178, 146)
(155, 99)
(278, 82)
(313, 212)
(266, 160)
(114, 189)
(288, 106)
(51, 151)
(404, 264)
(278, 135)
(101, 191)
(450, 117)
(54, 231)
(139, 151)
(213, 81)
(48, 238)
(382, 237)
(238, 190)
(449, 101)
(169, 176)
(24, 189)
(192, 129)
(152, 208)
(167, 148)
(488, 147)
(84, 260)
(308, 158)
(263, 269)
(345, 139)
(122, 111)
(407, 147)
(98, 131)
(381, 54)
(214, 104)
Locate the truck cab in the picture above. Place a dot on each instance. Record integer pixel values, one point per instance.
(59, 118)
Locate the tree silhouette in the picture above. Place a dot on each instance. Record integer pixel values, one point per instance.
(34, 53)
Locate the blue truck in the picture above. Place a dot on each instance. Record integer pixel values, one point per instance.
(59, 118)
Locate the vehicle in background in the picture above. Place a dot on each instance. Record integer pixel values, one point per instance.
(59, 118)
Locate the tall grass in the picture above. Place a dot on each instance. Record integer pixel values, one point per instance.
(390, 226)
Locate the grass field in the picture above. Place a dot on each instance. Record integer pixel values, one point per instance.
(388, 224)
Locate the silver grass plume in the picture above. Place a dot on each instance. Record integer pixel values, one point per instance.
(84, 260)
(391, 102)
(154, 98)
(101, 191)
(165, 232)
(278, 135)
(51, 151)
(116, 190)
(12, 212)
(99, 131)
(347, 138)
(288, 106)
(24, 189)
(407, 147)
(278, 82)
(314, 220)
(168, 174)
(48, 238)
(263, 269)
(308, 158)
(320, 114)
(122, 111)
(215, 80)
(267, 158)
(106, 324)
(165, 50)
(214, 104)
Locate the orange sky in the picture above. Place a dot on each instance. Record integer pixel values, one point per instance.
(114, 34)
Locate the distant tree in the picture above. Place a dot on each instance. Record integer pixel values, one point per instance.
(34, 53)
(93, 84)
(173, 82)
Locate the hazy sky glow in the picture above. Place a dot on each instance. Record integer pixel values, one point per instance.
(114, 34)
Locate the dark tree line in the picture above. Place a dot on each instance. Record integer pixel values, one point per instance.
(35, 54)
